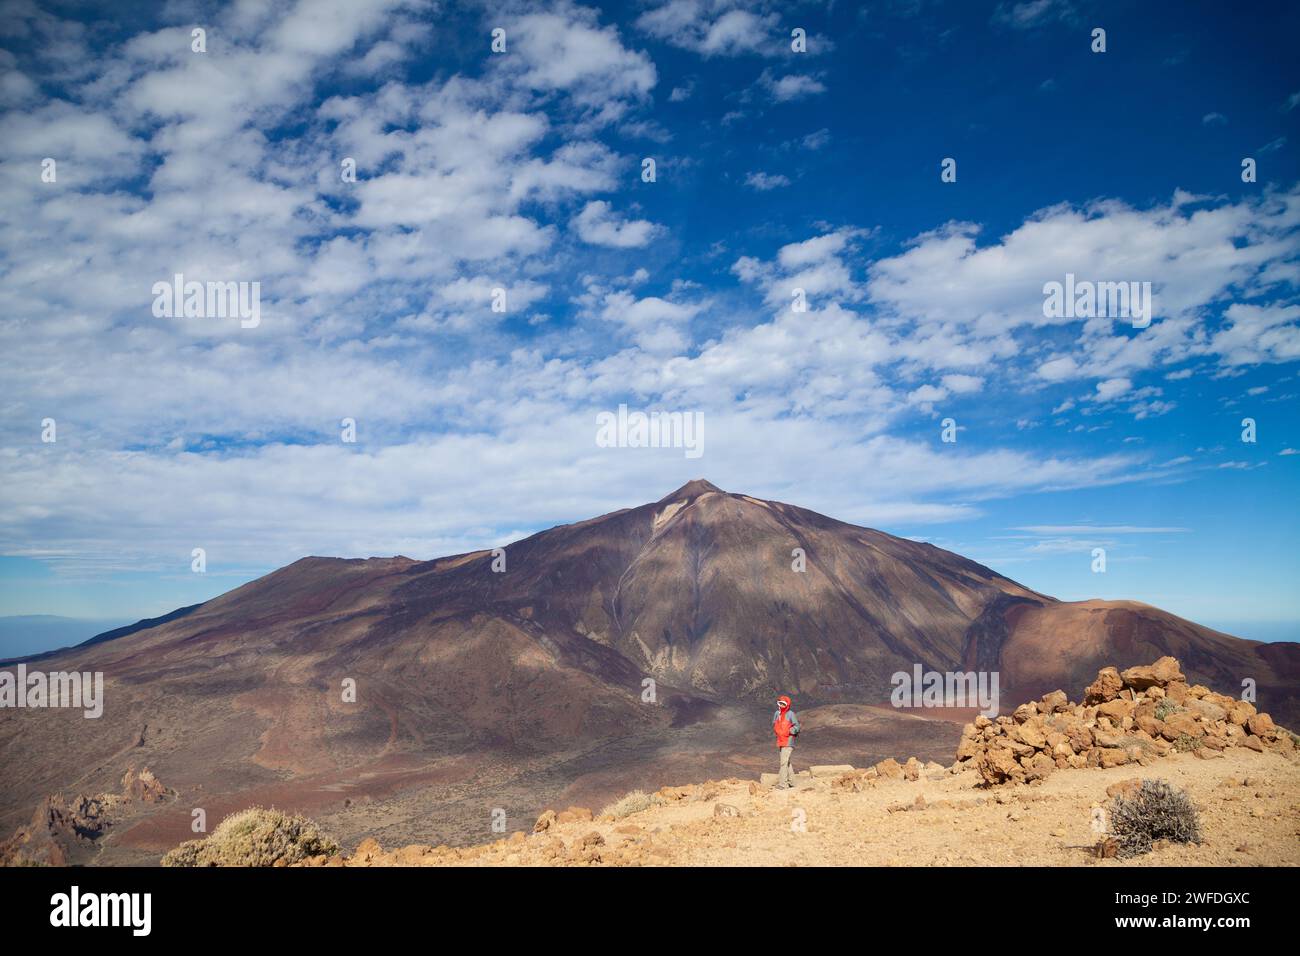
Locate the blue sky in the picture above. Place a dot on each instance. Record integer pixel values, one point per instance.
(775, 170)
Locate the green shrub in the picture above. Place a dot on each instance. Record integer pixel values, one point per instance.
(1186, 743)
(1155, 811)
(629, 803)
(1165, 708)
(255, 837)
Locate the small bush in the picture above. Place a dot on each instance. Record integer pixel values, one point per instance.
(255, 837)
(629, 803)
(1165, 708)
(1186, 743)
(1155, 811)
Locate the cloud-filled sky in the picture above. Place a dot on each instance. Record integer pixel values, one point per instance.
(626, 205)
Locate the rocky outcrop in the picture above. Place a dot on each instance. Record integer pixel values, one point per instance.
(1131, 717)
(64, 829)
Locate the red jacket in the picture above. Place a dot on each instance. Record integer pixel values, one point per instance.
(784, 722)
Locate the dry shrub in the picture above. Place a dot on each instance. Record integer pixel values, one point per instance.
(255, 837)
(629, 803)
(1154, 811)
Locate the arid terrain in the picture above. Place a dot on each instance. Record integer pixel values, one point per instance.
(1249, 805)
(1038, 787)
(517, 681)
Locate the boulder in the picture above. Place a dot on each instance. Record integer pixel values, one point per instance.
(830, 769)
(1240, 712)
(1160, 674)
(1180, 724)
(1054, 703)
(573, 815)
(854, 782)
(1112, 757)
(1106, 687)
(890, 768)
(1109, 739)
(1016, 747)
(998, 765)
(1080, 737)
(1117, 709)
(1206, 708)
(1040, 767)
(1149, 725)
(1262, 726)
(1030, 734)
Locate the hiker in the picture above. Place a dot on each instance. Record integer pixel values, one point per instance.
(786, 726)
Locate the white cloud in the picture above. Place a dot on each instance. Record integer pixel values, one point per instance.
(766, 181)
(1112, 388)
(1029, 14)
(569, 51)
(962, 384)
(794, 86)
(1258, 334)
(712, 27)
(1193, 254)
(598, 225)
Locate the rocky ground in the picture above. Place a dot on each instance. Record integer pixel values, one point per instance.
(1031, 788)
(1249, 806)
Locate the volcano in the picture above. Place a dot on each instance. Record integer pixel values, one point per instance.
(648, 642)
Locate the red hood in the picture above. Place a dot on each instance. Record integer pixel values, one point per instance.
(783, 703)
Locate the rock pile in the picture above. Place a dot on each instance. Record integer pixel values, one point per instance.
(1131, 717)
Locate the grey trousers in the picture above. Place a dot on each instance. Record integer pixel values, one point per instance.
(786, 771)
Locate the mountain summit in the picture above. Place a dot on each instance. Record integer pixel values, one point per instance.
(692, 489)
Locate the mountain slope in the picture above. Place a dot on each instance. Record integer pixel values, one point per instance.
(467, 676)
